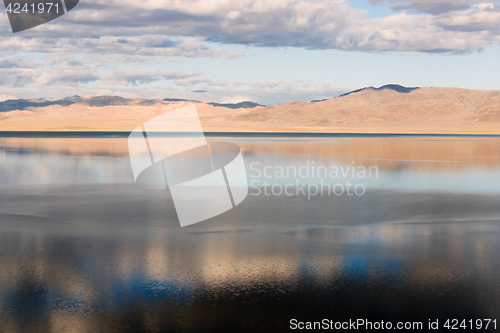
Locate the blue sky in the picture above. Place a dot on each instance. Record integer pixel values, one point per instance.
(261, 50)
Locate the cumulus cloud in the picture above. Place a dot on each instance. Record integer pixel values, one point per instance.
(141, 27)
(167, 28)
(191, 81)
(146, 45)
(270, 92)
(432, 8)
(136, 77)
(67, 75)
(464, 31)
(430, 2)
(265, 92)
(4, 63)
(89, 48)
(65, 71)
(62, 81)
(17, 77)
(58, 58)
(227, 84)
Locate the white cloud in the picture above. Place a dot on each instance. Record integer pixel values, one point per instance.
(268, 92)
(4, 97)
(147, 45)
(191, 81)
(203, 7)
(431, 2)
(465, 31)
(148, 28)
(103, 46)
(17, 77)
(67, 75)
(135, 76)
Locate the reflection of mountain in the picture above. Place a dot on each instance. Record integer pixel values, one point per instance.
(387, 153)
(388, 109)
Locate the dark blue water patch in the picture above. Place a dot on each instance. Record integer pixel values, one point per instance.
(356, 266)
(360, 267)
(149, 306)
(141, 293)
(32, 301)
(28, 302)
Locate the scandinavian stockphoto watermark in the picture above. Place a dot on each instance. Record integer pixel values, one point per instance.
(310, 179)
(204, 179)
(27, 14)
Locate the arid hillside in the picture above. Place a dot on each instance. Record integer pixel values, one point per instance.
(422, 110)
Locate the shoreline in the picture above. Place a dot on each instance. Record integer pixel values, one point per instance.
(124, 134)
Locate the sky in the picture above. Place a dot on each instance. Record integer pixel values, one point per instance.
(266, 51)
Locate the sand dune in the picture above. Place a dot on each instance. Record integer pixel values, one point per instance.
(424, 110)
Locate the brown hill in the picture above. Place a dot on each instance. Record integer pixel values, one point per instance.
(424, 110)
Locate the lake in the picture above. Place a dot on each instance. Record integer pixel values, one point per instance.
(399, 229)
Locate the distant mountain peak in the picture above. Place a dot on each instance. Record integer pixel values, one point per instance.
(396, 87)
(102, 101)
(244, 104)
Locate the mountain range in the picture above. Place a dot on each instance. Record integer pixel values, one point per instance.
(387, 109)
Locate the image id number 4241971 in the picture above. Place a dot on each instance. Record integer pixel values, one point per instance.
(38, 8)
(478, 324)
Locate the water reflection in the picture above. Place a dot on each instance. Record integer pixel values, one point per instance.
(111, 257)
(465, 164)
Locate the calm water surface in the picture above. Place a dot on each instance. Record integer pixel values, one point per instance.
(84, 249)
